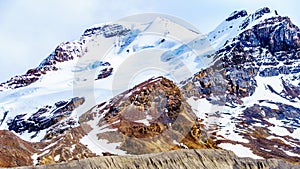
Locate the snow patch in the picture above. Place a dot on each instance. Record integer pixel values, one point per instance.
(56, 158)
(34, 158)
(239, 150)
(277, 128)
(72, 148)
(180, 144)
(96, 145)
(292, 154)
(263, 93)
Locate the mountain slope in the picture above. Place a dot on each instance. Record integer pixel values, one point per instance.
(253, 87)
(151, 117)
(97, 96)
(77, 69)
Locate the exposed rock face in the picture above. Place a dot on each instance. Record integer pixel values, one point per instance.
(276, 34)
(255, 16)
(152, 113)
(255, 126)
(257, 51)
(262, 59)
(107, 30)
(60, 143)
(65, 147)
(189, 159)
(237, 14)
(104, 73)
(14, 151)
(46, 118)
(234, 78)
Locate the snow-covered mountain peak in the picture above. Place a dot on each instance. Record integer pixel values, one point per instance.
(89, 67)
(237, 22)
(172, 29)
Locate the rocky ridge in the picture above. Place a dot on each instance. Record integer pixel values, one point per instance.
(64, 52)
(190, 159)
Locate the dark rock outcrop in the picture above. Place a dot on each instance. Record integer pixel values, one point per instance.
(107, 30)
(237, 14)
(276, 33)
(45, 117)
(104, 73)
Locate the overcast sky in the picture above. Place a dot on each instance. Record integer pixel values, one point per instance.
(31, 29)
